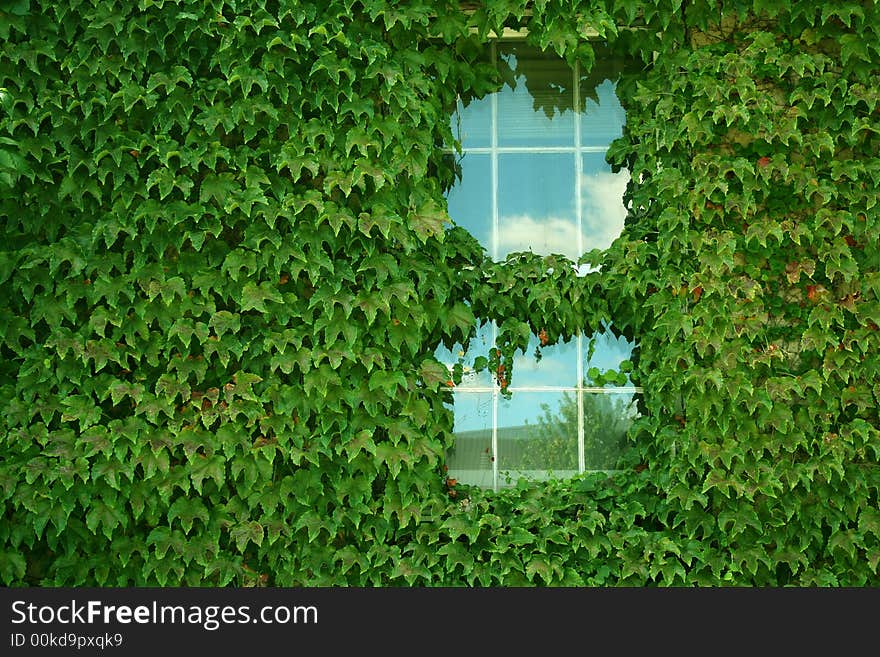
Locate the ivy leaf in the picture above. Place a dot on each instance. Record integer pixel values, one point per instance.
(392, 456)
(313, 523)
(187, 510)
(207, 467)
(217, 187)
(245, 200)
(224, 321)
(247, 77)
(247, 532)
(457, 526)
(459, 317)
(371, 303)
(433, 374)
(153, 462)
(429, 221)
(392, 383)
(81, 409)
(164, 538)
(288, 360)
(869, 522)
(122, 389)
(540, 566)
(111, 470)
(457, 555)
(253, 296)
(411, 571)
(361, 139)
(362, 442)
(106, 516)
(516, 537)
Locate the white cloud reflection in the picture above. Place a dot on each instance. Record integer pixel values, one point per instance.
(602, 216)
(542, 235)
(602, 209)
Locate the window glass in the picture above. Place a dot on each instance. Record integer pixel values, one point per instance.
(468, 201)
(602, 119)
(537, 435)
(471, 459)
(473, 124)
(557, 366)
(601, 201)
(536, 204)
(536, 108)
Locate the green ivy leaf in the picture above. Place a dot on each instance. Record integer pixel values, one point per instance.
(433, 374)
(187, 510)
(254, 296)
(428, 221)
(247, 532)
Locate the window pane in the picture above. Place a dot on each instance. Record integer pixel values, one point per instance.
(537, 433)
(602, 209)
(470, 199)
(470, 458)
(605, 351)
(603, 116)
(607, 416)
(479, 346)
(472, 125)
(536, 204)
(557, 366)
(537, 111)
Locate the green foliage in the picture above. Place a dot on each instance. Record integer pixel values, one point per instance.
(225, 264)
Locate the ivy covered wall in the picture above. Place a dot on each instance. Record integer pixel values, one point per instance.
(226, 264)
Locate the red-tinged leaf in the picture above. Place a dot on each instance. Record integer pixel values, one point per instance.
(164, 538)
(428, 221)
(433, 373)
(869, 522)
(247, 532)
(224, 321)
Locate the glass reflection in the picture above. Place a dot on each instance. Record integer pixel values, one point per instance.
(607, 418)
(536, 204)
(470, 458)
(472, 124)
(556, 366)
(603, 116)
(470, 200)
(602, 208)
(537, 436)
(535, 108)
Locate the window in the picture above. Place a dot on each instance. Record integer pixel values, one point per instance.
(534, 177)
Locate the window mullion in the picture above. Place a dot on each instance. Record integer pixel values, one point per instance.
(495, 242)
(578, 174)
